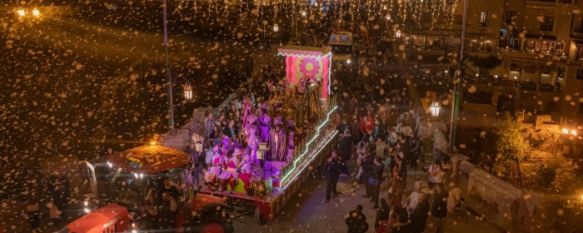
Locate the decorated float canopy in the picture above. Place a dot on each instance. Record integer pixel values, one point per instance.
(149, 159)
(308, 63)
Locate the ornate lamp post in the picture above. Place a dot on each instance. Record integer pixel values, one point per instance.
(188, 91)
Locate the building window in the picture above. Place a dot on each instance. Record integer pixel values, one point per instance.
(547, 24)
(509, 16)
(483, 18)
(580, 53)
(579, 74)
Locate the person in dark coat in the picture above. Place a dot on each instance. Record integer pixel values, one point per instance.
(402, 223)
(356, 221)
(439, 206)
(345, 149)
(419, 215)
(375, 180)
(382, 216)
(367, 168)
(332, 170)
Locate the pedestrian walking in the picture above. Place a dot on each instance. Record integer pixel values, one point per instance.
(436, 174)
(400, 220)
(375, 180)
(33, 214)
(419, 215)
(367, 173)
(382, 216)
(356, 221)
(345, 150)
(332, 170)
(439, 206)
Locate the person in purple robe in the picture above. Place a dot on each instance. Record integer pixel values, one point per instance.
(264, 124)
(278, 142)
(290, 141)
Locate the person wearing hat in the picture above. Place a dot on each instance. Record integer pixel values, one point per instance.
(277, 141)
(264, 123)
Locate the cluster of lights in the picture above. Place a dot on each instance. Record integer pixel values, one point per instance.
(86, 208)
(22, 12)
(138, 175)
(567, 131)
(299, 158)
(188, 91)
(435, 108)
(275, 28)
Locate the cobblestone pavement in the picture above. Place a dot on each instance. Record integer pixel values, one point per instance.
(306, 212)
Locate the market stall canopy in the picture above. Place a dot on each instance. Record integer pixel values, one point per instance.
(149, 159)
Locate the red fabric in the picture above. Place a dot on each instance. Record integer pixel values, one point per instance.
(367, 124)
(382, 228)
(246, 178)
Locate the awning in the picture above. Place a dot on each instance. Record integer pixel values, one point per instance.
(304, 51)
(150, 159)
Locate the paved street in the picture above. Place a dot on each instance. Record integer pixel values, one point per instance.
(307, 213)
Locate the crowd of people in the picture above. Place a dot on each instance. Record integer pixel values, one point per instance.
(378, 145)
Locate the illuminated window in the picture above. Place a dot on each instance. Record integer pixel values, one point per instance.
(547, 24)
(483, 18)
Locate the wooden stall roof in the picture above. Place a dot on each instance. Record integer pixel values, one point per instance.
(150, 159)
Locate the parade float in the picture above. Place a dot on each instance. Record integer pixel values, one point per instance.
(272, 172)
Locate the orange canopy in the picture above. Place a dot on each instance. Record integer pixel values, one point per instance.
(101, 218)
(149, 159)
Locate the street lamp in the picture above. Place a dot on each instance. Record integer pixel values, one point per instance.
(35, 12)
(21, 12)
(456, 88)
(435, 108)
(348, 61)
(168, 74)
(567, 131)
(188, 91)
(275, 27)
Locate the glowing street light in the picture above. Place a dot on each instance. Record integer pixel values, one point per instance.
(35, 12)
(275, 27)
(303, 13)
(567, 131)
(21, 12)
(435, 108)
(348, 61)
(188, 91)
